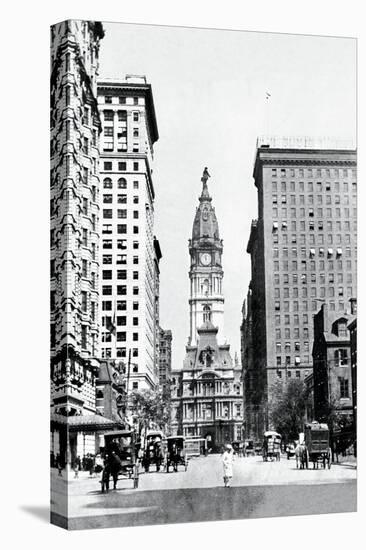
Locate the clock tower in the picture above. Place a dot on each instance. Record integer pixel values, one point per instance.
(206, 301)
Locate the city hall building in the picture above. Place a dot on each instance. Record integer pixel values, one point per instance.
(206, 393)
(303, 253)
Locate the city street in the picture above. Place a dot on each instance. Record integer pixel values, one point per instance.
(259, 489)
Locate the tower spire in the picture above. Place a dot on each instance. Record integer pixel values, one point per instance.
(205, 194)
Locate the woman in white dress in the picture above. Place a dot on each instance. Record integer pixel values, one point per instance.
(227, 462)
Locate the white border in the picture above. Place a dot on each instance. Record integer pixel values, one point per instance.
(24, 308)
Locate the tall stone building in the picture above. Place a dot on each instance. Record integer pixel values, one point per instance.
(303, 253)
(165, 357)
(75, 129)
(129, 253)
(206, 394)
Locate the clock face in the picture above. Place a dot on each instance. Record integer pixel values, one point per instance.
(205, 258)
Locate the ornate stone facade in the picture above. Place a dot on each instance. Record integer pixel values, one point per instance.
(75, 128)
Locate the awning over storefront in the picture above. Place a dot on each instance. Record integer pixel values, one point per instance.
(85, 423)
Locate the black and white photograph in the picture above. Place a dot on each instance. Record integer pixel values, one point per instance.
(203, 274)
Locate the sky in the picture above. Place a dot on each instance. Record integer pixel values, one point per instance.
(209, 89)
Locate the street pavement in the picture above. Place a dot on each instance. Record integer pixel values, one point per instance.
(259, 489)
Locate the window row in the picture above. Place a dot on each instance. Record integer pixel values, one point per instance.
(121, 183)
(310, 265)
(303, 252)
(320, 212)
(108, 166)
(318, 238)
(121, 99)
(310, 199)
(109, 114)
(310, 172)
(287, 347)
(119, 259)
(107, 229)
(313, 292)
(120, 274)
(121, 244)
(321, 225)
(314, 187)
(321, 277)
(289, 373)
(121, 213)
(121, 198)
(291, 361)
(107, 290)
(295, 332)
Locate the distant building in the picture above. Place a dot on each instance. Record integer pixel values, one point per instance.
(157, 258)
(207, 394)
(303, 252)
(332, 364)
(165, 358)
(128, 251)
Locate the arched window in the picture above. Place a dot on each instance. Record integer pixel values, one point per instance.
(107, 183)
(122, 183)
(206, 313)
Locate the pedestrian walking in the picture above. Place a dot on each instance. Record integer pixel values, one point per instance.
(115, 467)
(59, 465)
(227, 462)
(106, 472)
(77, 464)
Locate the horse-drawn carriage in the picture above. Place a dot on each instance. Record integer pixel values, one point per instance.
(120, 458)
(271, 446)
(316, 447)
(238, 447)
(249, 447)
(176, 453)
(153, 452)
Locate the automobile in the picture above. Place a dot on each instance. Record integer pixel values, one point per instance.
(290, 450)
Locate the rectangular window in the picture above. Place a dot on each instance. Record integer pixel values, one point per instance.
(107, 274)
(107, 165)
(121, 274)
(83, 336)
(135, 166)
(122, 228)
(122, 166)
(343, 388)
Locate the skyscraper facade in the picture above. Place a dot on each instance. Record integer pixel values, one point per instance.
(303, 253)
(128, 252)
(75, 129)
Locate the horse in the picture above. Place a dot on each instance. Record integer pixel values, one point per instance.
(301, 456)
